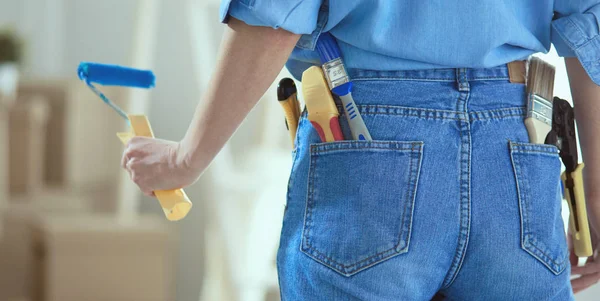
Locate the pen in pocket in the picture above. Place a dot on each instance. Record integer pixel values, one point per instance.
(322, 111)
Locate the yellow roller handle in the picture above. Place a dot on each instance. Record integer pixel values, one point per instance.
(578, 222)
(175, 203)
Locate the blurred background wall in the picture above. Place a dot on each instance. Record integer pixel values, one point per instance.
(224, 249)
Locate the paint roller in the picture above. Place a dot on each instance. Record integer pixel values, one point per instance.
(175, 203)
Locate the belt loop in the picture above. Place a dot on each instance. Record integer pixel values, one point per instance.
(461, 79)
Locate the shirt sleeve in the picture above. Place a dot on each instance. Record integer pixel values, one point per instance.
(297, 16)
(576, 33)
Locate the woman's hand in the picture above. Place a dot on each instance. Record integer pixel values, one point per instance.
(155, 164)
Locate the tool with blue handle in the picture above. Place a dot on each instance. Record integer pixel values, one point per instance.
(340, 84)
(175, 203)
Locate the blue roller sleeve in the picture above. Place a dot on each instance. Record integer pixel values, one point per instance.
(114, 75)
(328, 48)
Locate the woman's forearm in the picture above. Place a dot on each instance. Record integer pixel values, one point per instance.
(250, 58)
(586, 98)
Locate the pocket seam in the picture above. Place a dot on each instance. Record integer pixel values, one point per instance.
(356, 145)
(401, 247)
(525, 148)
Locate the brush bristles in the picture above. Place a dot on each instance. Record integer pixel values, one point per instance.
(540, 78)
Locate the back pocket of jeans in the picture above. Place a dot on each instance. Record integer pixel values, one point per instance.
(537, 170)
(360, 202)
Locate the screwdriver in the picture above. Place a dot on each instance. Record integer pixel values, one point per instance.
(322, 111)
(288, 99)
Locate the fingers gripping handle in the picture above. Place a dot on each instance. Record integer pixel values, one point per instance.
(175, 203)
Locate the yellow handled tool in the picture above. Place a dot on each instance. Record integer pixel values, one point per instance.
(288, 99)
(578, 221)
(322, 111)
(175, 203)
(563, 136)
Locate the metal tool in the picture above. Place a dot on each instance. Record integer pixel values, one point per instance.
(563, 135)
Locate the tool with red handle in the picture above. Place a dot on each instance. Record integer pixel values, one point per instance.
(322, 111)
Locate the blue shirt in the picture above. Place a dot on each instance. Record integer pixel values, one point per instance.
(404, 35)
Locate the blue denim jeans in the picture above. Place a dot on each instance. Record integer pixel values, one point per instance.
(449, 197)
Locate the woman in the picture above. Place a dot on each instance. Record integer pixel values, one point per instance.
(450, 198)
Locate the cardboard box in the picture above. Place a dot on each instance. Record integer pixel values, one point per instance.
(56, 92)
(16, 258)
(82, 151)
(96, 257)
(27, 129)
(81, 130)
(4, 107)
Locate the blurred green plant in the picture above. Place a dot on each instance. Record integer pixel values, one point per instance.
(10, 47)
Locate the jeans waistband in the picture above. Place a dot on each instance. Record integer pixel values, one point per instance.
(453, 90)
(499, 73)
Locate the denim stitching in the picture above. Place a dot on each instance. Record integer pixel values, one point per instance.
(523, 191)
(403, 214)
(414, 192)
(463, 242)
(402, 78)
(309, 209)
(317, 151)
(406, 111)
(534, 148)
(426, 79)
(388, 108)
(516, 173)
(348, 269)
(502, 113)
(499, 118)
(355, 144)
(410, 173)
(468, 205)
(544, 253)
(523, 198)
(537, 152)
